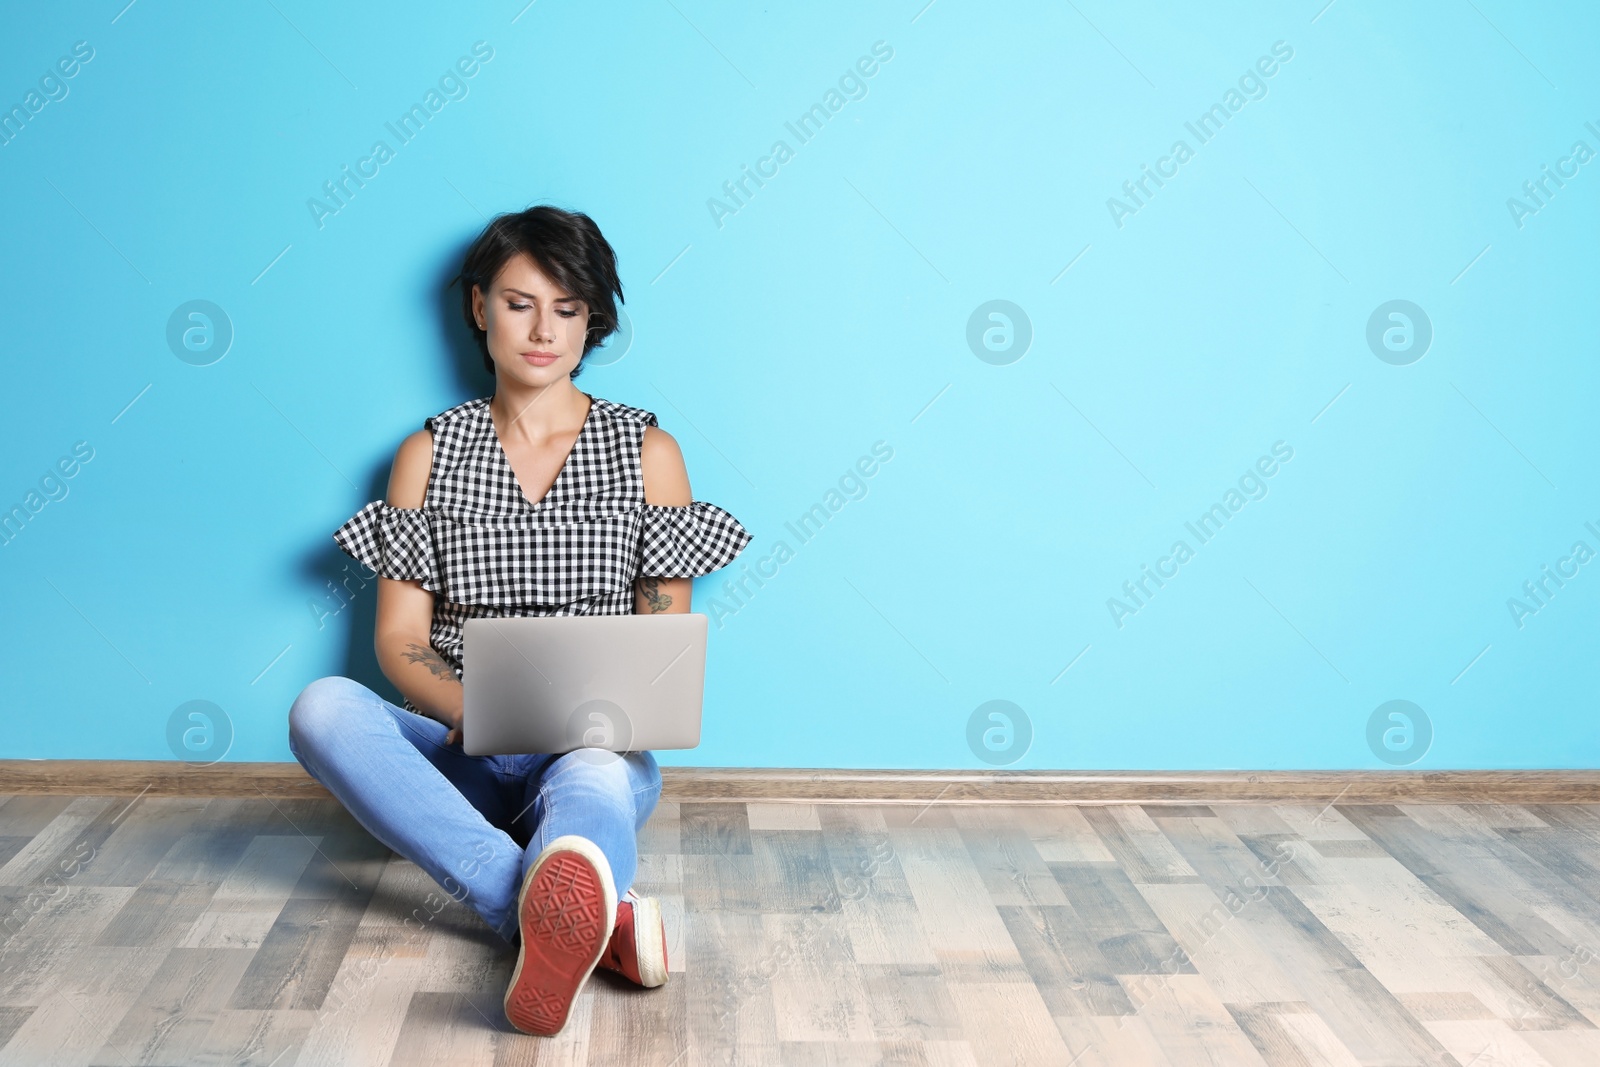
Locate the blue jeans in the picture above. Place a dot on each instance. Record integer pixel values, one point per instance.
(475, 824)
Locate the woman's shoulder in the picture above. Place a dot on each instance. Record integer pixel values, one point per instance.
(449, 416)
(619, 412)
(443, 441)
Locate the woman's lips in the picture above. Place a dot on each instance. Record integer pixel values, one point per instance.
(540, 359)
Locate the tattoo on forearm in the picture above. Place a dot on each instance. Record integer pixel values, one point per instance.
(425, 655)
(653, 595)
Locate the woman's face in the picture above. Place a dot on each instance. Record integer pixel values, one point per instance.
(528, 320)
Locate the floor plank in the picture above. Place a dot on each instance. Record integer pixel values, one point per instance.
(273, 932)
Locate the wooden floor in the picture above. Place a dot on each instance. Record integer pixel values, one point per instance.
(252, 931)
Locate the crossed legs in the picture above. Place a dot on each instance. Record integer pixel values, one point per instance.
(475, 824)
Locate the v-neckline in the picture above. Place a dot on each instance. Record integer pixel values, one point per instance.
(488, 414)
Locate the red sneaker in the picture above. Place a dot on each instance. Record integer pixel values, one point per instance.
(638, 948)
(565, 900)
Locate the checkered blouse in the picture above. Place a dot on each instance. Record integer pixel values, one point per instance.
(483, 550)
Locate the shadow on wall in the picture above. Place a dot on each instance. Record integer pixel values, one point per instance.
(344, 603)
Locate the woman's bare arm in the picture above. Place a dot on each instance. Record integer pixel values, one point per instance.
(666, 481)
(405, 609)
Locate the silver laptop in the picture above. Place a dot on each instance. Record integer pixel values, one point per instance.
(610, 683)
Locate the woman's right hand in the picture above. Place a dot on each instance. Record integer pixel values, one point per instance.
(453, 737)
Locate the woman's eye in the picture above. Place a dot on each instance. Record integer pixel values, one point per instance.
(569, 314)
(518, 307)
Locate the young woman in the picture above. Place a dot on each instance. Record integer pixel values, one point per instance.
(538, 500)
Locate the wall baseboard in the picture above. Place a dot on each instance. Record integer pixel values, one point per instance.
(824, 785)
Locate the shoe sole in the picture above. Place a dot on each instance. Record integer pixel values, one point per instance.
(650, 933)
(566, 910)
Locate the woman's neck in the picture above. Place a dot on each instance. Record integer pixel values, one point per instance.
(537, 413)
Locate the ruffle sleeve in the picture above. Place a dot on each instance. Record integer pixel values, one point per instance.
(684, 542)
(395, 542)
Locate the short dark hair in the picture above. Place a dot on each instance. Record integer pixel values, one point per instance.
(567, 246)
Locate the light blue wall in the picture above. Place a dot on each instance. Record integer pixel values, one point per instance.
(1171, 347)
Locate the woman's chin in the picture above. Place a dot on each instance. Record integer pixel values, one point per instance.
(532, 374)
